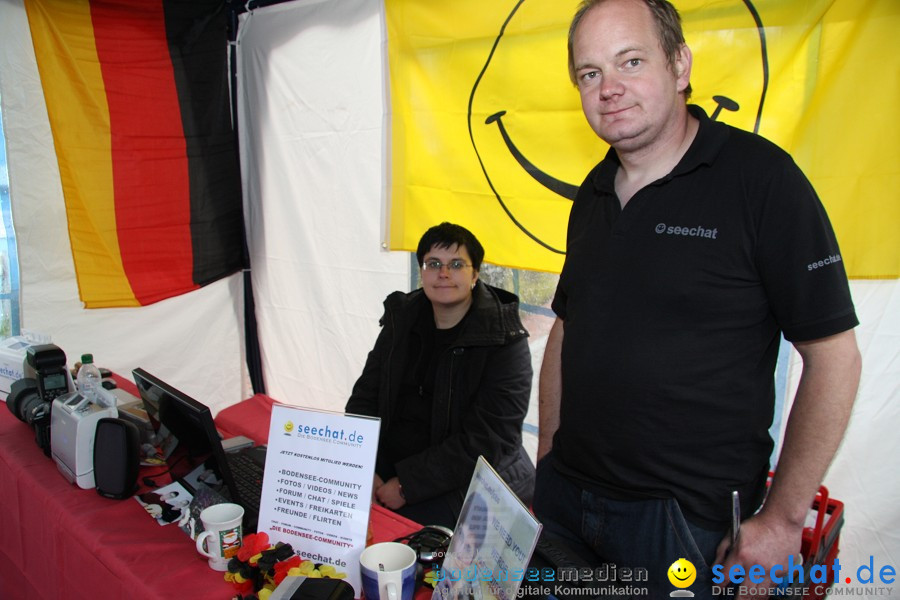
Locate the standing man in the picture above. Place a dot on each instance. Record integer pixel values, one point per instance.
(691, 248)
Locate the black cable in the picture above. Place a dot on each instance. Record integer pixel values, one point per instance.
(430, 543)
(151, 483)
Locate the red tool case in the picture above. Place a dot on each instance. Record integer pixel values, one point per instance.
(820, 543)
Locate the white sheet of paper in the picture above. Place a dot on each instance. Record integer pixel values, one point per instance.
(317, 488)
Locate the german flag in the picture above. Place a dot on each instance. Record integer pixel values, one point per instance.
(138, 98)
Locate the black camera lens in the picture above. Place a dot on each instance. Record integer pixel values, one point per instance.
(22, 394)
(25, 402)
(34, 409)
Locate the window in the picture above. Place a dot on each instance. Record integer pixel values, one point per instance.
(9, 260)
(535, 290)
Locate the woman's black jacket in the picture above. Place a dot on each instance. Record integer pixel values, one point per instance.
(481, 394)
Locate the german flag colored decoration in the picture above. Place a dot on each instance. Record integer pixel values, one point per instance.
(138, 99)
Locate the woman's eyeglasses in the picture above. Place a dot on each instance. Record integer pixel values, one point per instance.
(436, 265)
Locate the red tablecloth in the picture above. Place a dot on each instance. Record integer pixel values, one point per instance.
(59, 542)
(250, 418)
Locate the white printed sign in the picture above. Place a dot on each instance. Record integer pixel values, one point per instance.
(317, 489)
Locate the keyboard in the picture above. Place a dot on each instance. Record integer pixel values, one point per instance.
(248, 478)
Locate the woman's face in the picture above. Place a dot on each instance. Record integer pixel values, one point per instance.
(445, 286)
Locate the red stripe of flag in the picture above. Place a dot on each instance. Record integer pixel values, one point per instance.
(150, 167)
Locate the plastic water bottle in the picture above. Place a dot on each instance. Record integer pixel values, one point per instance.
(88, 378)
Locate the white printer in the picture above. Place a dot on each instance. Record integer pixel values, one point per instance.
(73, 424)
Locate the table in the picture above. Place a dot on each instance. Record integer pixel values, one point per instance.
(59, 542)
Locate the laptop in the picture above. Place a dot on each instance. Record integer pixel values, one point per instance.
(193, 449)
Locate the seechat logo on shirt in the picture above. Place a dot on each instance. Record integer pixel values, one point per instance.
(828, 260)
(687, 230)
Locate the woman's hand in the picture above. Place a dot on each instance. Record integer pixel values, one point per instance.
(376, 483)
(390, 494)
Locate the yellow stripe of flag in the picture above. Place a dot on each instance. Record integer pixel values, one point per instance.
(67, 60)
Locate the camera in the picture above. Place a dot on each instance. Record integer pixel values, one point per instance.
(30, 398)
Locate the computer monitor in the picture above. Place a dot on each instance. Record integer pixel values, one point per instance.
(185, 429)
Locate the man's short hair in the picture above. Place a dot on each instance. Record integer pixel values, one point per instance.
(447, 235)
(668, 31)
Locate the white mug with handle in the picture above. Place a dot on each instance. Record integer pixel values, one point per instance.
(222, 534)
(388, 571)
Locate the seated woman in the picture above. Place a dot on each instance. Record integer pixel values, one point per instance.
(450, 378)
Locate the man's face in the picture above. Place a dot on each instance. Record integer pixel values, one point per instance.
(629, 93)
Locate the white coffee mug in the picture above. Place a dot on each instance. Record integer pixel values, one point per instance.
(388, 571)
(222, 534)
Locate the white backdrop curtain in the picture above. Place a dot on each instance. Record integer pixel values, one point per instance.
(311, 90)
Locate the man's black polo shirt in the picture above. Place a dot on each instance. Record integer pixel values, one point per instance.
(673, 310)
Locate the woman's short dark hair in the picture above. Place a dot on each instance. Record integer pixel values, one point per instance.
(446, 235)
(668, 30)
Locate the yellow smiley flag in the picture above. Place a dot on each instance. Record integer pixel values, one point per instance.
(487, 130)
